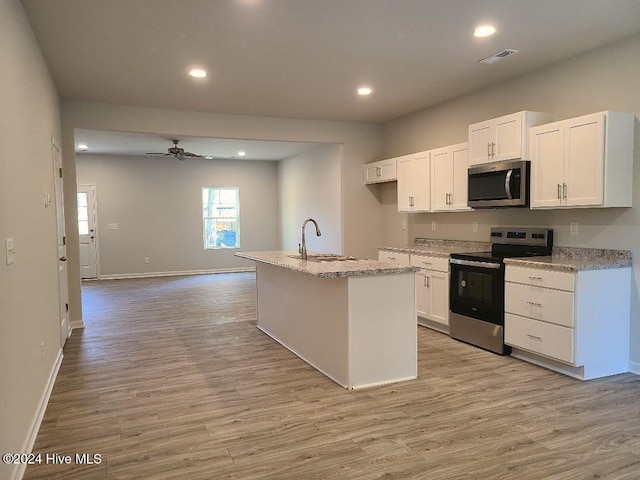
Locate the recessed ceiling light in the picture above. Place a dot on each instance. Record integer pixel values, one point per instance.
(364, 91)
(198, 73)
(484, 31)
(241, 154)
(83, 147)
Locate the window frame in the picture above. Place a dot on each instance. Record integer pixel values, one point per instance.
(235, 218)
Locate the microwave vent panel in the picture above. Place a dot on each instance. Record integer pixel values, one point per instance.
(498, 56)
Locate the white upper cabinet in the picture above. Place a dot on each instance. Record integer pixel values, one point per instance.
(381, 171)
(414, 182)
(503, 138)
(583, 162)
(449, 171)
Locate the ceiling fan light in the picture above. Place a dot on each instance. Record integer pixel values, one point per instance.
(83, 147)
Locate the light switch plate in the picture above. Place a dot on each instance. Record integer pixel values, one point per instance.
(10, 250)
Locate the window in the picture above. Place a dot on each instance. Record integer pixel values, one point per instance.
(83, 213)
(221, 217)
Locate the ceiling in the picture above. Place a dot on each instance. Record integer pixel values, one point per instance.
(305, 58)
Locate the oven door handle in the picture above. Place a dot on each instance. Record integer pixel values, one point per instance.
(507, 184)
(471, 263)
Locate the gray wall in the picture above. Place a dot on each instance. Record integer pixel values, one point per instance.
(156, 203)
(604, 79)
(309, 186)
(29, 313)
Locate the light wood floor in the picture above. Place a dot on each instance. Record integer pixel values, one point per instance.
(171, 379)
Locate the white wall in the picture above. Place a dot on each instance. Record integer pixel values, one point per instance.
(29, 311)
(361, 215)
(604, 79)
(157, 204)
(309, 186)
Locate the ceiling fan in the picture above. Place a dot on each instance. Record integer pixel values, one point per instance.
(178, 153)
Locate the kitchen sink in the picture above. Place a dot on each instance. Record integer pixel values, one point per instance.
(325, 257)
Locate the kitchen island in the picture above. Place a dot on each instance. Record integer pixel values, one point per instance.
(353, 320)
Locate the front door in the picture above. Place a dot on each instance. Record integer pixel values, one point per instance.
(62, 247)
(87, 231)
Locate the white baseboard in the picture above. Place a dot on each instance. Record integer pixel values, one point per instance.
(18, 471)
(76, 324)
(634, 367)
(121, 276)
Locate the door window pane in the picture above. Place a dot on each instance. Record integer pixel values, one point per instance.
(83, 213)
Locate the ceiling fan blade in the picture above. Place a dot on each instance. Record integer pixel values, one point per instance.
(157, 154)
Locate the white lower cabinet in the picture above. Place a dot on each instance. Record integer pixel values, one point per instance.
(432, 291)
(576, 323)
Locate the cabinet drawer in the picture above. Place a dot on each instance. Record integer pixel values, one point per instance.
(393, 257)
(541, 278)
(440, 264)
(554, 306)
(538, 337)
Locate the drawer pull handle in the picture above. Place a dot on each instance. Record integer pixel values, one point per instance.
(427, 263)
(392, 258)
(534, 304)
(534, 337)
(535, 278)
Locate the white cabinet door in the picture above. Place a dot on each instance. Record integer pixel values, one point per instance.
(404, 184)
(422, 294)
(414, 182)
(394, 257)
(439, 297)
(459, 195)
(442, 181)
(371, 173)
(584, 161)
(508, 138)
(547, 169)
(421, 183)
(480, 137)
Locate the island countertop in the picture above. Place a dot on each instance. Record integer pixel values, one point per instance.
(326, 269)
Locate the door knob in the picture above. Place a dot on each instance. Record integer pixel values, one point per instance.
(63, 259)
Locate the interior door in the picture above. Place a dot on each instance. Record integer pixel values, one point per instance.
(62, 248)
(86, 198)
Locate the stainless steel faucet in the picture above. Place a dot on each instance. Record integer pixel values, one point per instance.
(302, 248)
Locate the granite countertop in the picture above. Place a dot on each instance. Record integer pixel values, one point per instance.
(331, 269)
(439, 248)
(575, 259)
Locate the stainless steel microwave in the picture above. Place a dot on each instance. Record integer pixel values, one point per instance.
(499, 184)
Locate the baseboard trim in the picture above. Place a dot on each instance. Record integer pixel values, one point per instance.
(18, 471)
(634, 367)
(122, 276)
(76, 324)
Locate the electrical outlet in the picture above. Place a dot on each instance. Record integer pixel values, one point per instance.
(113, 226)
(433, 225)
(475, 227)
(146, 259)
(573, 228)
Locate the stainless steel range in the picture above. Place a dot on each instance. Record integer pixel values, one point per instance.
(476, 293)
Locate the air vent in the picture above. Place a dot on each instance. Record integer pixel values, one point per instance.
(498, 56)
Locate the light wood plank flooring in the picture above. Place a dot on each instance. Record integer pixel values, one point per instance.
(172, 379)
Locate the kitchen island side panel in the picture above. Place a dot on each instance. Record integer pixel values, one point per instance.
(308, 315)
(382, 330)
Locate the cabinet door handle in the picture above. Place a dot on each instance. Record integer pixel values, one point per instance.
(534, 304)
(425, 281)
(428, 282)
(564, 191)
(559, 191)
(489, 150)
(534, 337)
(493, 149)
(391, 258)
(535, 278)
